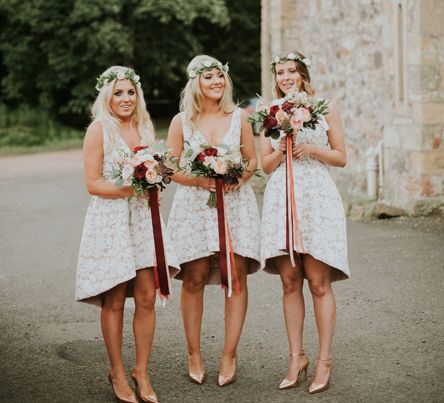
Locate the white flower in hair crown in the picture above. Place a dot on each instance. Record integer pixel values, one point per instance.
(107, 78)
(205, 66)
(290, 56)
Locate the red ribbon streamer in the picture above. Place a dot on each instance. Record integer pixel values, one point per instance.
(222, 235)
(160, 268)
(226, 267)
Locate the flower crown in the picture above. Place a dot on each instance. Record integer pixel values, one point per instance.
(290, 56)
(107, 78)
(205, 66)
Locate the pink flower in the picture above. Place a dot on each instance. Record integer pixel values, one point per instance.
(296, 122)
(281, 116)
(221, 167)
(151, 176)
(305, 114)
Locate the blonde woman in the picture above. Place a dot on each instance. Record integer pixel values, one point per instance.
(208, 115)
(322, 242)
(117, 249)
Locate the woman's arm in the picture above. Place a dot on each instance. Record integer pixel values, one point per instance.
(336, 155)
(271, 158)
(92, 166)
(175, 141)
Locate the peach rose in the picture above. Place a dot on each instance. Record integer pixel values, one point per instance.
(295, 122)
(151, 176)
(281, 116)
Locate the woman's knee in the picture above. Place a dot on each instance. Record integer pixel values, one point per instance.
(194, 282)
(145, 300)
(319, 288)
(114, 303)
(292, 285)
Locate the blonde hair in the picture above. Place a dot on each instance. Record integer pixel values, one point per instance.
(191, 98)
(301, 68)
(101, 111)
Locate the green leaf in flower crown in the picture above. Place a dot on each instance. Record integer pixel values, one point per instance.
(189, 153)
(203, 146)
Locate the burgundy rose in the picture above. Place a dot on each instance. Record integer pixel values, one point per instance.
(211, 152)
(287, 106)
(138, 148)
(274, 109)
(200, 157)
(139, 171)
(270, 122)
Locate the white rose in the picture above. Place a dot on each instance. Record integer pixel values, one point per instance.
(220, 167)
(307, 62)
(209, 161)
(276, 59)
(207, 63)
(226, 67)
(146, 157)
(136, 78)
(291, 56)
(192, 74)
(120, 75)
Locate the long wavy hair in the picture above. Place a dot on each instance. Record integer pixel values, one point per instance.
(101, 111)
(191, 98)
(302, 69)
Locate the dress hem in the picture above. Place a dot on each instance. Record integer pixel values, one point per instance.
(338, 273)
(96, 298)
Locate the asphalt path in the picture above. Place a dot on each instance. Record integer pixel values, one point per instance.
(389, 338)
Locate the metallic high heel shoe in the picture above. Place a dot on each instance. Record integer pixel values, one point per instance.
(320, 387)
(301, 376)
(118, 398)
(223, 380)
(150, 398)
(196, 378)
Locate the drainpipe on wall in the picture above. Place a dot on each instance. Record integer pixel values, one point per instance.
(373, 168)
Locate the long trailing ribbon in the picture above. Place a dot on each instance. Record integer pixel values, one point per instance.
(161, 272)
(292, 223)
(226, 254)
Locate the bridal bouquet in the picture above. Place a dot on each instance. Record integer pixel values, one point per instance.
(146, 168)
(220, 162)
(295, 112)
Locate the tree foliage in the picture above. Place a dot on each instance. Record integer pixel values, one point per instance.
(51, 51)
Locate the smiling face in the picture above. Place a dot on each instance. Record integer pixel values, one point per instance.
(287, 77)
(124, 99)
(212, 84)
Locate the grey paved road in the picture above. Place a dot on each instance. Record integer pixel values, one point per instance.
(389, 338)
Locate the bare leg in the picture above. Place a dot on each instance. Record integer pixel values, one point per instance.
(235, 312)
(194, 280)
(112, 326)
(143, 326)
(319, 281)
(294, 313)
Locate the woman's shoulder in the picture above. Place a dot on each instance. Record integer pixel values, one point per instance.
(95, 129)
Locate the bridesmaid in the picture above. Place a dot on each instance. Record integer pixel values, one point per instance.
(116, 256)
(208, 115)
(322, 230)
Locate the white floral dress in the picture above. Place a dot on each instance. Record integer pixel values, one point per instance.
(117, 238)
(192, 225)
(322, 226)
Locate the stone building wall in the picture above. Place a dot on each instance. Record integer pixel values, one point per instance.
(381, 63)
